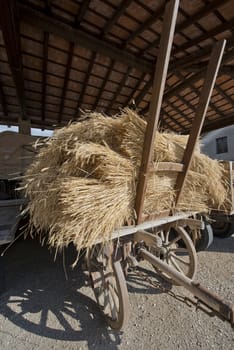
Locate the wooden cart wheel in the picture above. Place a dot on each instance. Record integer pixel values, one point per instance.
(109, 286)
(178, 251)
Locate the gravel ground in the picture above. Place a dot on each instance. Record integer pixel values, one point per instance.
(41, 310)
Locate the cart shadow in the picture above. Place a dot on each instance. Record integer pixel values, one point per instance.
(144, 280)
(39, 300)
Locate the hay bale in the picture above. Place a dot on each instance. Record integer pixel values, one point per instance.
(82, 184)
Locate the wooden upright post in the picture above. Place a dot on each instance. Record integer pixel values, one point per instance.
(156, 101)
(211, 74)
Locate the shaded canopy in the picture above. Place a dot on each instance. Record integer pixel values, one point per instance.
(60, 57)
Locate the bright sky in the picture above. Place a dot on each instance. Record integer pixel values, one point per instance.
(34, 132)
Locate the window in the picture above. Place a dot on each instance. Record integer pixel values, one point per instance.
(221, 145)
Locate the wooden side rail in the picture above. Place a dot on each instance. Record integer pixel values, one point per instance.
(211, 74)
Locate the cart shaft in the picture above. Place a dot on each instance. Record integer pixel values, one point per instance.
(214, 302)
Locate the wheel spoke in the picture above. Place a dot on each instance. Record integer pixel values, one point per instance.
(173, 241)
(174, 263)
(179, 250)
(179, 259)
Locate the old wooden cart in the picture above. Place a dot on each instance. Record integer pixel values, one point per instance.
(160, 239)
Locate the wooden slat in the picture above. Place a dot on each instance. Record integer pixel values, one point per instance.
(53, 25)
(9, 21)
(156, 101)
(3, 101)
(66, 78)
(44, 73)
(109, 71)
(167, 166)
(117, 14)
(205, 96)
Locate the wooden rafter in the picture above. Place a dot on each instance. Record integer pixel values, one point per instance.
(83, 8)
(226, 120)
(66, 78)
(44, 72)
(3, 101)
(211, 33)
(144, 91)
(118, 13)
(109, 70)
(196, 90)
(77, 36)
(148, 23)
(117, 92)
(192, 19)
(9, 21)
(85, 83)
(136, 87)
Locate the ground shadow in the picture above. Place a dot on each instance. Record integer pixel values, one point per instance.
(222, 245)
(40, 300)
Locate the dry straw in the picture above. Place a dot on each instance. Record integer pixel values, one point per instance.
(82, 184)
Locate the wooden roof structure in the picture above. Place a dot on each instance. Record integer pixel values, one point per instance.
(59, 57)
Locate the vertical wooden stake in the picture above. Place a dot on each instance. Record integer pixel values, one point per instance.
(211, 74)
(156, 101)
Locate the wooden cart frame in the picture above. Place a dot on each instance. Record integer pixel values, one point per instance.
(157, 238)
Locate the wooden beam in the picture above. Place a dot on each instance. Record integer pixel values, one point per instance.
(136, 87)
(156, 101)
(103, 84)
(85, 83)
(218, 123)
(192, 20)
(144, 91)
(151, 20)
(3, 101)
(66, 78)
(120, 86)
(213, 32)
(82, 10)
(79, 37)
(200, 14)
(167, 166)
(198, 121)
(117, 14)
(44, 73)
(9, 21)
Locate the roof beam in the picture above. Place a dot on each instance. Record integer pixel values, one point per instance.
(83, 8)
(77, 36)
(85, 83)
(103, 84)
(200, 14)
(66, 77)
(151, 20)
(9, 21)
(3, 101)
(118, 13)
(136, 87)
(192, 19)
(215, 31)
(218, 123)
(117, 92)
(44, 73)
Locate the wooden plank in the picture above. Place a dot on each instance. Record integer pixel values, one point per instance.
(9, 21)
(199, 118)
(44, 72)
(79, 37)
(167, 166)
(156, 101)
(3, 101)
(117, 14)
(66, 78)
